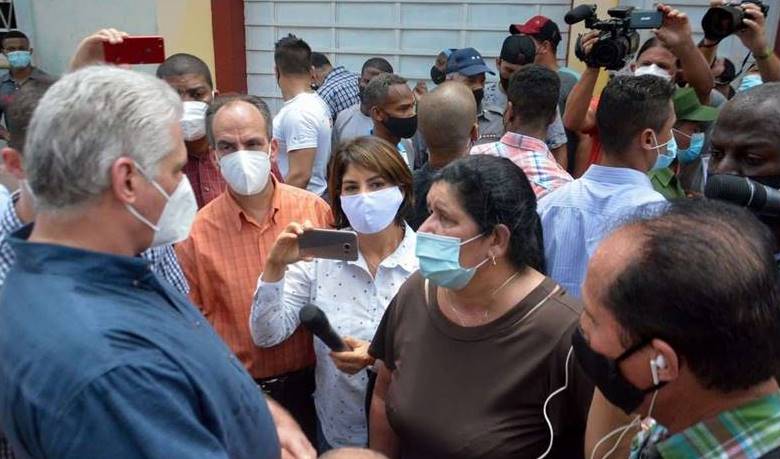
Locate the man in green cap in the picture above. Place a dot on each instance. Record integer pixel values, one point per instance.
(693, 118)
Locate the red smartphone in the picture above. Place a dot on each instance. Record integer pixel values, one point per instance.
(136, 50)
(329, 244)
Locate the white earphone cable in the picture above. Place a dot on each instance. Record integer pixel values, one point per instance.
(553, 394)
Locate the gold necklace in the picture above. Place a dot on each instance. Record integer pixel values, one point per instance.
(487, 311)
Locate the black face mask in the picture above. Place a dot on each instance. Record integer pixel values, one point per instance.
(504, 82)
(437, 75)
(401, 127)
(479, 94)
(605, 374)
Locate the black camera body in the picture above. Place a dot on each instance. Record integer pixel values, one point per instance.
(721, 21)
(618, 40)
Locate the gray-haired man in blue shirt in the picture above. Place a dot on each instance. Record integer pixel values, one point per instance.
(98, 356)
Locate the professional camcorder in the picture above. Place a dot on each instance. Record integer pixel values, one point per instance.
(618, 40)
(721, 21)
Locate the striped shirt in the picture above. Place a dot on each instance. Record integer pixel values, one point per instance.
(533, 157)
(750, 431)
(577, 216)
(222, 259)
(339, 90)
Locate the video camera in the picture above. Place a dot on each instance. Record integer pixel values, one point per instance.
(618, 40)
(721, 21)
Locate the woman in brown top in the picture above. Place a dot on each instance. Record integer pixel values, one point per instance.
(474, 353)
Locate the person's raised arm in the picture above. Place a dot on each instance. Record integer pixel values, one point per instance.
(754, 39)
(676, 35)
(575, 117)
(90, 50)
(282, 290)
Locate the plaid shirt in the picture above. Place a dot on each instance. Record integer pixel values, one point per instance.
(205, 178)
(339, 90)
(163, 259)
(748, 432)
(533, 157)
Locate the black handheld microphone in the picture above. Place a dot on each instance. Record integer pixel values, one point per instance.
(744, 192)
(316, 321)
(579, 14)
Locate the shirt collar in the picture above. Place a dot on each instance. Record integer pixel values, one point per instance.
(403, 256)
(664, 176)
(747, 431)
(617, 176)
(240, 217)
(523, 142)
(37, 74)
(334, 73)
(74, 262)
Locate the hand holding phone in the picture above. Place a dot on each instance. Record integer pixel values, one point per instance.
(329, 244)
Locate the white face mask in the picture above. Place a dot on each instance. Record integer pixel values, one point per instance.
(193, 120)
(653, 69)
(177, 216)
(247, 172)
(370, 213)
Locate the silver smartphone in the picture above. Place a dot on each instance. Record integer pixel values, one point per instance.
(329, 244)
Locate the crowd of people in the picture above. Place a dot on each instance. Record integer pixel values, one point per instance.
(538, 273)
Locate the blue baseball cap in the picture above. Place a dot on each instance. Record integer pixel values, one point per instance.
(468, 62)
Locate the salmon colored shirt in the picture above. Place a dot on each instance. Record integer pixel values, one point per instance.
(222, 260)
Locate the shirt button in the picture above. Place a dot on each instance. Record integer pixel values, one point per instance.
(136, 283)
(205, 188)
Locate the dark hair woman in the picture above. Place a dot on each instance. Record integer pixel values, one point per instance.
(475, 349)
(371, 191)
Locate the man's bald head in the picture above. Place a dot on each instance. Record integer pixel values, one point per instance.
(352, 453)
(446, 117)
(758, 108)
(746, 134)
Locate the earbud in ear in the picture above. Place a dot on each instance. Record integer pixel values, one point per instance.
(656, 364)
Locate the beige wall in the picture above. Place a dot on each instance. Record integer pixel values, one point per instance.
(186, 26)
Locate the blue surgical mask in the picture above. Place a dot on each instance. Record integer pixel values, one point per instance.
(19, 59)
(665, 158)
(692, 153)
(750, 81)
(440, 260)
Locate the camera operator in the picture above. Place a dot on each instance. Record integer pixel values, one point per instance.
(671, 49)
(752, 34)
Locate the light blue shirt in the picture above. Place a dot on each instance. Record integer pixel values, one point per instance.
(577, 216)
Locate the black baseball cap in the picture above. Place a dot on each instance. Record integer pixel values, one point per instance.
(518, 49)
(540, 27)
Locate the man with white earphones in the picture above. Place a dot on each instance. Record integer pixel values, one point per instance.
(680, 329)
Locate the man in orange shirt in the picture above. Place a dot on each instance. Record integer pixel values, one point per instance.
(229, 243)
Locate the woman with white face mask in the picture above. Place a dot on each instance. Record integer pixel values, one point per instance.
(371, 192)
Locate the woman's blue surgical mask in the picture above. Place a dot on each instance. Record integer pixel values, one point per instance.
(750, 81)
(692, 153)
(19, 59)
(440, 260)
(666, 157)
